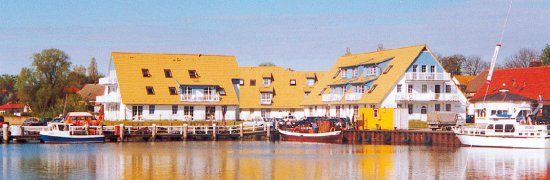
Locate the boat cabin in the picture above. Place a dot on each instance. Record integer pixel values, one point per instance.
(81, 118)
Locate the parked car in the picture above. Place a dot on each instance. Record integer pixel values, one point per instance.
(44, 121)
(57, 120)
(31, 122)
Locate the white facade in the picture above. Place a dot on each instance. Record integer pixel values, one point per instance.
(249, 114)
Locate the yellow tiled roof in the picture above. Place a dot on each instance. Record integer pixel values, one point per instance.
(285, 95)
(215, 70)
(463, 80)
(402, 59)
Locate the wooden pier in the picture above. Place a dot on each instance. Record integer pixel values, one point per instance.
(121, 133)
(423, 137)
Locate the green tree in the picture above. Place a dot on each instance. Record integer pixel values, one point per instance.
(545, 55)
(77, 77)
(453, 64)
(267, 64)
(42, 85)
(8, 88)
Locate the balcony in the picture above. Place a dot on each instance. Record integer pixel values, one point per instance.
(427, 97)
(331, 97)
(108, 98)
(354, 96)
(427, 76)
(199, 98)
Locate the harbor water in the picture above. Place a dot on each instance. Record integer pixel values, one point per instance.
(266, 160)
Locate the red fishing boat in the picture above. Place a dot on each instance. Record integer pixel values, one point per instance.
(314, 129)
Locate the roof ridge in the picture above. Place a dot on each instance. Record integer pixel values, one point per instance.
(148, 53)
(384, 50)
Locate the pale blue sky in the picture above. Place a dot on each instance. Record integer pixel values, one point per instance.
(303, 35)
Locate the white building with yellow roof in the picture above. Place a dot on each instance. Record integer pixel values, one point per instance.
(408, 79)
(146, 86)
(273, 92)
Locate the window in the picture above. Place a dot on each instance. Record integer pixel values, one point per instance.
(398, 88)
(354, 72)
(193, 74)
(151, 109)
(423, 68)
(167, 73)
(188, 110)
(310, 82)
(265, 98)
(490, 126)
(355, 110)
(311, 111)
(145, 73)
(432, 68)
(306, 94)
(448, 107)
(267, 82)
(221, 91)
(509, 128)
(410, 108)
(208, 93)
(241, 82)
(437, 107)
(137, 111)
(373, 70)
(344, 73)
(388, 69)
(172, 90)
(210, 112)
(480, 112)
(498, 127)
(360, 88)
(293, 82)
(372, 88)
(375, 113)
(423, 110)
(415, 68)
(187, 91)
(410, 88)
(448, 88)
(424, 88)
(150, 90)
(337, 111)
(174, 109)
(252, 82)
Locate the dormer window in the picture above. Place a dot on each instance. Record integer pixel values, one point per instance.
(293, 82)
(150, 90)
(344, 72)
(354, 72)
(221, 91)
(310, 82)
(241, 82)
(193, 74)
(172, 90)
(267, 82)
(167, 73)
(145, 73)
(252, 82)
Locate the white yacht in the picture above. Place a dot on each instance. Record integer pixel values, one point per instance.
(516, 131)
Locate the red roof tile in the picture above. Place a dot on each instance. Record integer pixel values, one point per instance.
(12, 106)
(529, 82)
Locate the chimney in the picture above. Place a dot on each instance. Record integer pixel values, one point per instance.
(535, 62)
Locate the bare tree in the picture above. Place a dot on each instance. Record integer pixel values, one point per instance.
(521, 59)
(473, 65)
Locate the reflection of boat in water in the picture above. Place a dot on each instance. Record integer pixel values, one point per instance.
(514, 131)
(61, 133)
(314, 129)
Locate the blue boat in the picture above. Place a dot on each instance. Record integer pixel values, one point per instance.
(61, 133)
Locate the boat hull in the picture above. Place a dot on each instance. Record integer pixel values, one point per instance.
(331, 137)
(72, 139)
(497, 141)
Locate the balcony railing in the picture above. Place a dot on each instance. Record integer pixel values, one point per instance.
(200, 98)
(416, 76)
(354, 96)
(108, 98)
(331, 97)
(427, 97)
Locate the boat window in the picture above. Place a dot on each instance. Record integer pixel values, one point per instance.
(498, 127)
(520, 134)
(532, 134)
(490, 126)
(509, 128)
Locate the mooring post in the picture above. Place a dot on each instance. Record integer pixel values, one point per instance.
(185, 127)
(154, 131)
(214, 131)
(87, 129)
(241, 134)
(6, 134)
(268, 132)
(121, 133)
(100, 129)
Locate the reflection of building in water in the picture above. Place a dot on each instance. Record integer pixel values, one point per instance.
(505, 162)
(377, 162)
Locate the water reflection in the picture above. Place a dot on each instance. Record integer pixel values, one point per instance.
(266, 160)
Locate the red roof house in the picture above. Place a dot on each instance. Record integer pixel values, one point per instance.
(16, 109)
(528, 82)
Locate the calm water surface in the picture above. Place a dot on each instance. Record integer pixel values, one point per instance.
(266, 160)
